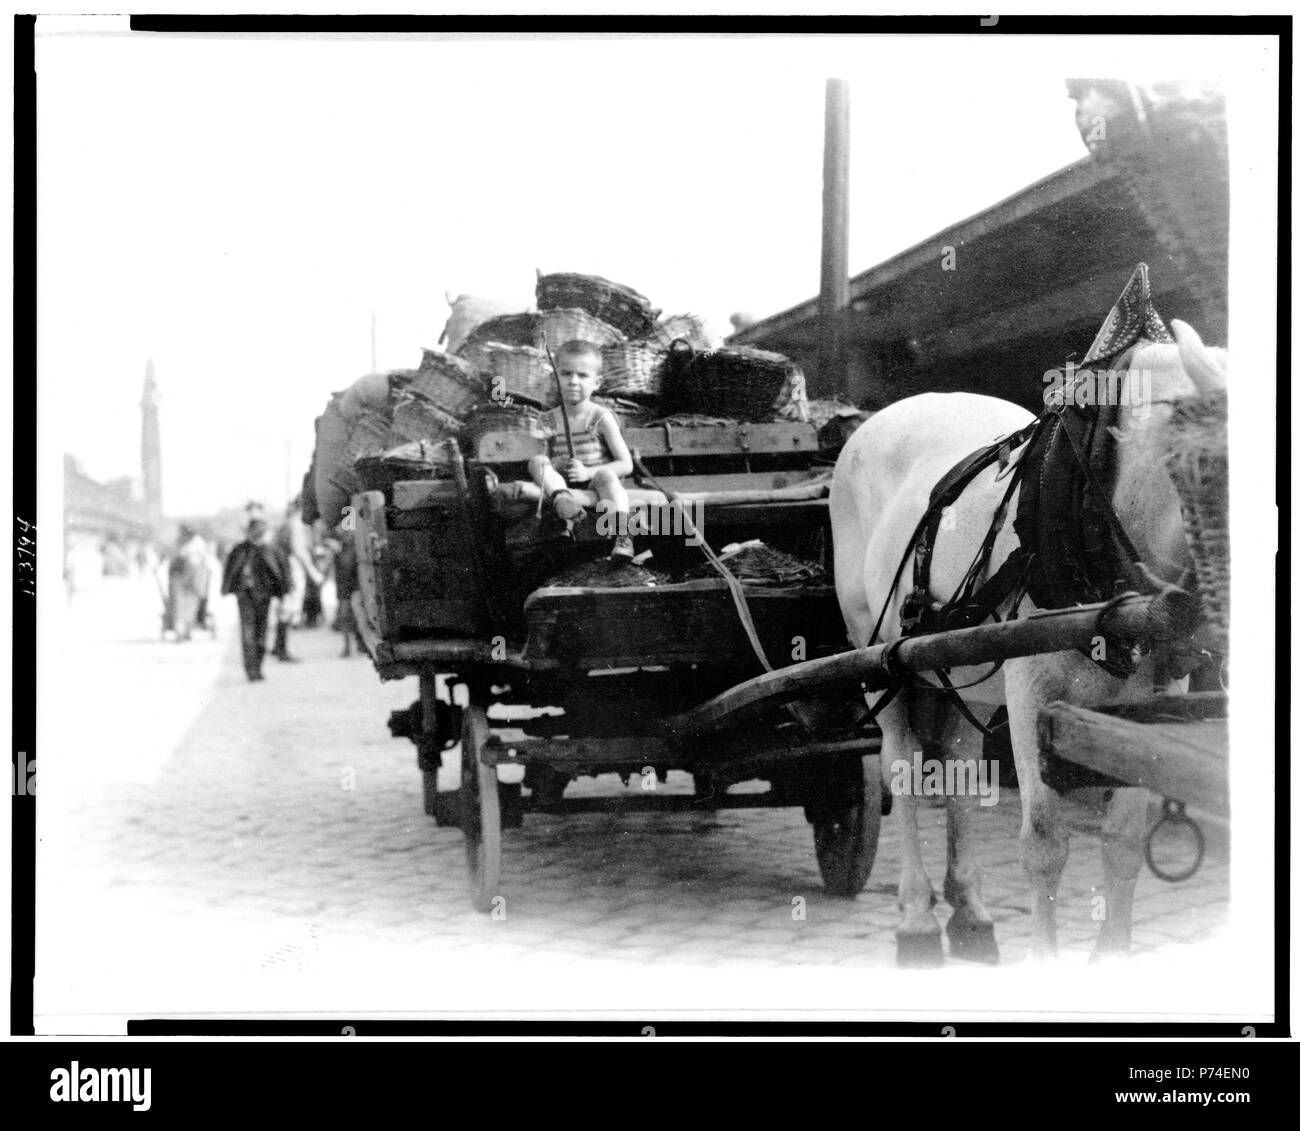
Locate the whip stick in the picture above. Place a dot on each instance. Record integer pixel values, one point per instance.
(564, 412)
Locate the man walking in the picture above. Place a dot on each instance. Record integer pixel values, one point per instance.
(254, 574)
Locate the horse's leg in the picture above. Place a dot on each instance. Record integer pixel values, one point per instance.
(1044, 842)
(949, 738)
(917, 936)
(970, 928)
(1122, 831)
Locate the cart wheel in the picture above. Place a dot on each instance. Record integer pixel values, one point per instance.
(430, 783)
(480, 812)
(846, 840)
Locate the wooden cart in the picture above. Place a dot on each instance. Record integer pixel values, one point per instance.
(647, 679)
(453, 592)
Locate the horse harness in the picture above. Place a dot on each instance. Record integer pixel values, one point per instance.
(1073, 549)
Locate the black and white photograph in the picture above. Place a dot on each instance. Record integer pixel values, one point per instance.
(654, 526)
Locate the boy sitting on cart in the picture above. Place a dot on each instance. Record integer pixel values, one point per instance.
(590, 454)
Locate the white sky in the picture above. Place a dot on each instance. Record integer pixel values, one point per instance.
(234, 207)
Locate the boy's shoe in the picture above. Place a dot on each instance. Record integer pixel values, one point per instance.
(623, 551)
(566, 506)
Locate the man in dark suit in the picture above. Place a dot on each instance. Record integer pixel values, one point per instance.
(254, 574)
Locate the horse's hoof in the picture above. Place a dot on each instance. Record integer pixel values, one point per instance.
(972, 940)
(920, 951)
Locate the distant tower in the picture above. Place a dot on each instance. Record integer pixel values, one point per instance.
(150, 446)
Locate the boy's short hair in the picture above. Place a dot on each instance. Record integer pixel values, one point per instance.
(578, 347)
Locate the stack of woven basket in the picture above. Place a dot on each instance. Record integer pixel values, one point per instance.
(651, 366)
(499, 378)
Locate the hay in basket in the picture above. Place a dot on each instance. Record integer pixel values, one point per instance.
(756, 563)
(601, 573)
(1196, 442)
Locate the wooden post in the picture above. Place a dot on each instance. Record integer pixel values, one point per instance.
(834, 299)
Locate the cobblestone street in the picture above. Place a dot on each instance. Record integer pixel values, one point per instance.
(213, 846)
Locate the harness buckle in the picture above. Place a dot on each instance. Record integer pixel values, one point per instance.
(915, 611)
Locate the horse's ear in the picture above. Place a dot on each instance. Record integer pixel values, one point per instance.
(1199, 365)
(450, 301)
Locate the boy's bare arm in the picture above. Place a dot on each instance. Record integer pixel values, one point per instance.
(621, 464)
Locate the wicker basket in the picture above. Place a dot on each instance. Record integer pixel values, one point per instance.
(415, 418)
(369, 435)
(446, 380)
(514, 372)
(689, 328)
(743, 384)
(620, 306)
(634, 369)
(514, 417)
(418, 460)
(1197, 444)
(574, 324)
(507, 329)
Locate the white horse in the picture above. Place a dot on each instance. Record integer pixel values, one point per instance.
(880, 490)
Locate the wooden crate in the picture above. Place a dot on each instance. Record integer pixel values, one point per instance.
(417, 582)
(692, 622)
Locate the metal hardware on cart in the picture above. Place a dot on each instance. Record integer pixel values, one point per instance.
(1175, 813)
(409, 723)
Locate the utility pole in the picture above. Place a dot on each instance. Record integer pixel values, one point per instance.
(834, 298)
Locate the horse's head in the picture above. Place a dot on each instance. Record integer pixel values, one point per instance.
(1163, 380)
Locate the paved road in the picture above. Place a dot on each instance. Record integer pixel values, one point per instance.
(210, 845)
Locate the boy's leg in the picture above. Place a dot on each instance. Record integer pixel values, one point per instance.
(543, 473)
(553, 485)
(611, 491)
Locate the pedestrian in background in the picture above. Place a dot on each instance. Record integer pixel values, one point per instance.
(293, 543)
(345, 584)
(254, 574)
(187, 582)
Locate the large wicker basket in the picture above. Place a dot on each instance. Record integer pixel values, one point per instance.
(618, 305)
(513, 372)
(415, 418)
(1197, 444)
(445, 379)
(634, 369)
(489, 417)
(506, 329)
(575, 324)
(743, 384)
